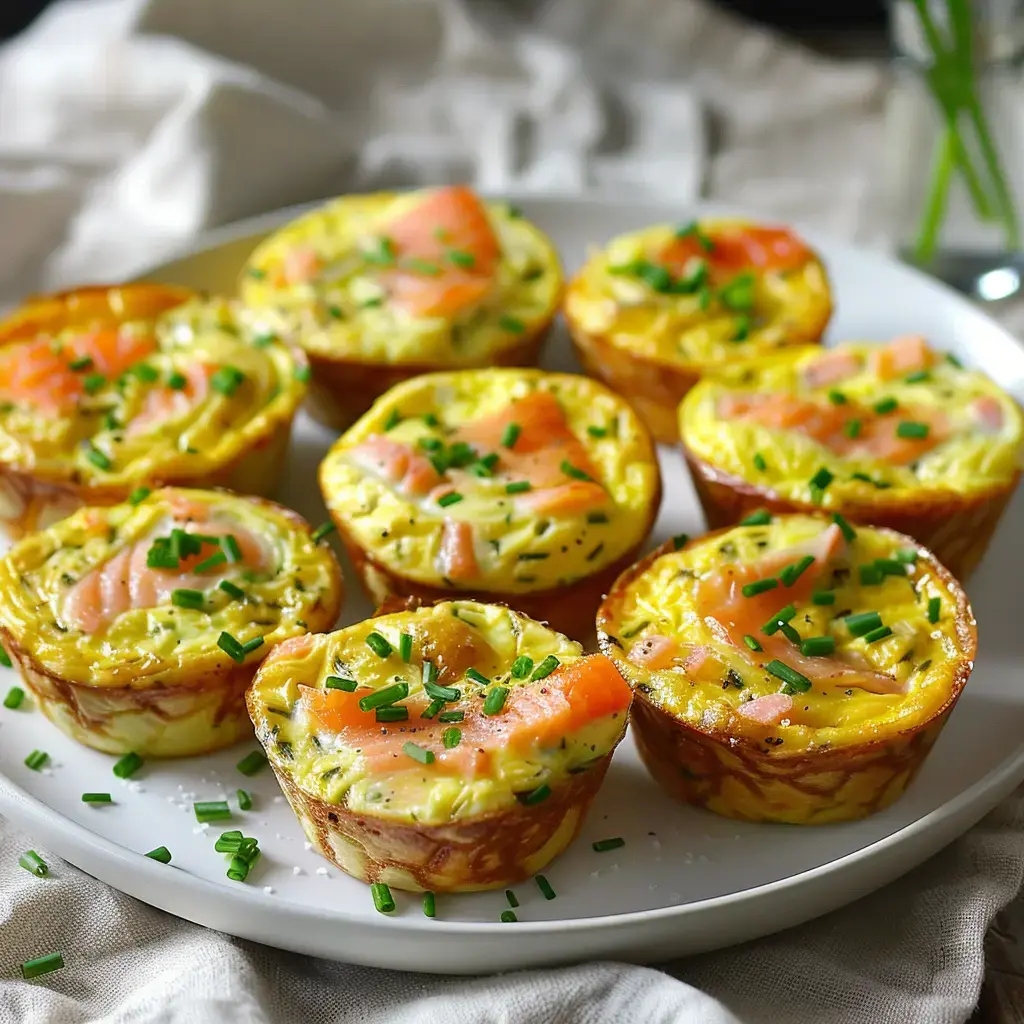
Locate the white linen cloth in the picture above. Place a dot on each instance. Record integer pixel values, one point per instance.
(126, 126)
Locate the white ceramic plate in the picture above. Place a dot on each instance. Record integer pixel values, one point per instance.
(686, 880)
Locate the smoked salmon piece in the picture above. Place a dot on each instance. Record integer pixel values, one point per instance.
(534, 716)
(767, 710)
(301, 264)
(399, 464)
(901, 356)
(735, 249)
(164, 404)
(457, 559)
(989, 413)
(831, 368)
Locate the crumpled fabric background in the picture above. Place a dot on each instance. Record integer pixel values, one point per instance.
(127, 126)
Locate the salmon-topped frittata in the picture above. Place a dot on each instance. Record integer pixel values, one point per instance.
(378, 287)
(139, 625)
(897, 435)
(495, 482)
(794, 668)
(450, 747)
(106, 390)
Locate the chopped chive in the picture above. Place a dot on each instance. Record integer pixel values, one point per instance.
(851, 428)
(42, 965)
(461, 258)
(513, 900)
(818, 646)
(405, 647)
(161, 854)
(139, 495)
(432, 708)
(877, 634)
(495, 700)
(821, 479)
(96, 457)
(511, 324)
(229, 842)
(451, 498)
(429, 905)
(97, 798)
(182, 598)
(849, 533)
(862, 623)
(604, 845)
(790, 633)
(822, 597)
(954, 361)
(238, 869)
(177, 381)
(508, 917)
(231, 589)
(477, 677)
(392, 713)
(598, 432)
(891, 567)
(31, 861)
(252, 763)
(602, 517)
(303, 374)
(251, 645)
(484, 468)
(738, 294)
(337, 683)
(382, 898)
(231, 647)
(752, 643)
(837, 397)
(917, 377)
(80, 364)
(628, 634)
(126, 766)
(759, 586)
(535, 796)
(521, 667)
(934, 608)
(211, 810)
(15, 695)
(575, 472)
(545, 668)
(693, 230)
(679, 541)
(870, 575)
(518, 487)
(451, 738)
(244, 800)
(323, 530)
(908, 556)
(93, 382)
(146, 373)
(912, 429)
(227, 380)
(451, 716)
(885, 406)
(394, 418)
(545, 887)
(795, 570)
(379, 645)
(510, 435)
(5, 659)
(383, 252)
(762, 517)
(759, 463)
(418, 753)
(789, 676)
(384, 697)
(782, 615)
(230, 549)
(445, 693)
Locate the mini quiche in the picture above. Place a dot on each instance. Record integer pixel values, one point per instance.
(528, 488)
(104, 390)
(449, 748)
(656, 309)
(892, 435)
(797, 670)
(379, 288)
(139, 626)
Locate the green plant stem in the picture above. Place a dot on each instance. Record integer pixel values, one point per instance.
(938, 194)
(1004, 197)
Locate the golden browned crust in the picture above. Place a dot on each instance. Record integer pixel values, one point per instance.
(489, 852)
(957, 530)
(738, 773)
(341, 390)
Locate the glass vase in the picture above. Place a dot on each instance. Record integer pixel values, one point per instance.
(955, 141)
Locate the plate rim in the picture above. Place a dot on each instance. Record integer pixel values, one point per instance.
(22, 807)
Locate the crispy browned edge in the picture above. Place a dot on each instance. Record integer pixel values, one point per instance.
(957, 530)
(109, 306)
(341, 390)
(688, 761)
(231, 680)
(461, 856)
(654, 387)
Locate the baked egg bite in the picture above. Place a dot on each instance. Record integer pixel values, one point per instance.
(516, 486)
(138, 626)
(453, 747)
(107, 389)
(379, 288)
(792, 670)
(894, 435)
(655, 309)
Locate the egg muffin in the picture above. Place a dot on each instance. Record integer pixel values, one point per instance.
(517, 486)
(655, 309)
(104, 390)
(379, 288)
(138, 626)
(796, 669)
(892, 435)
(451, 747)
